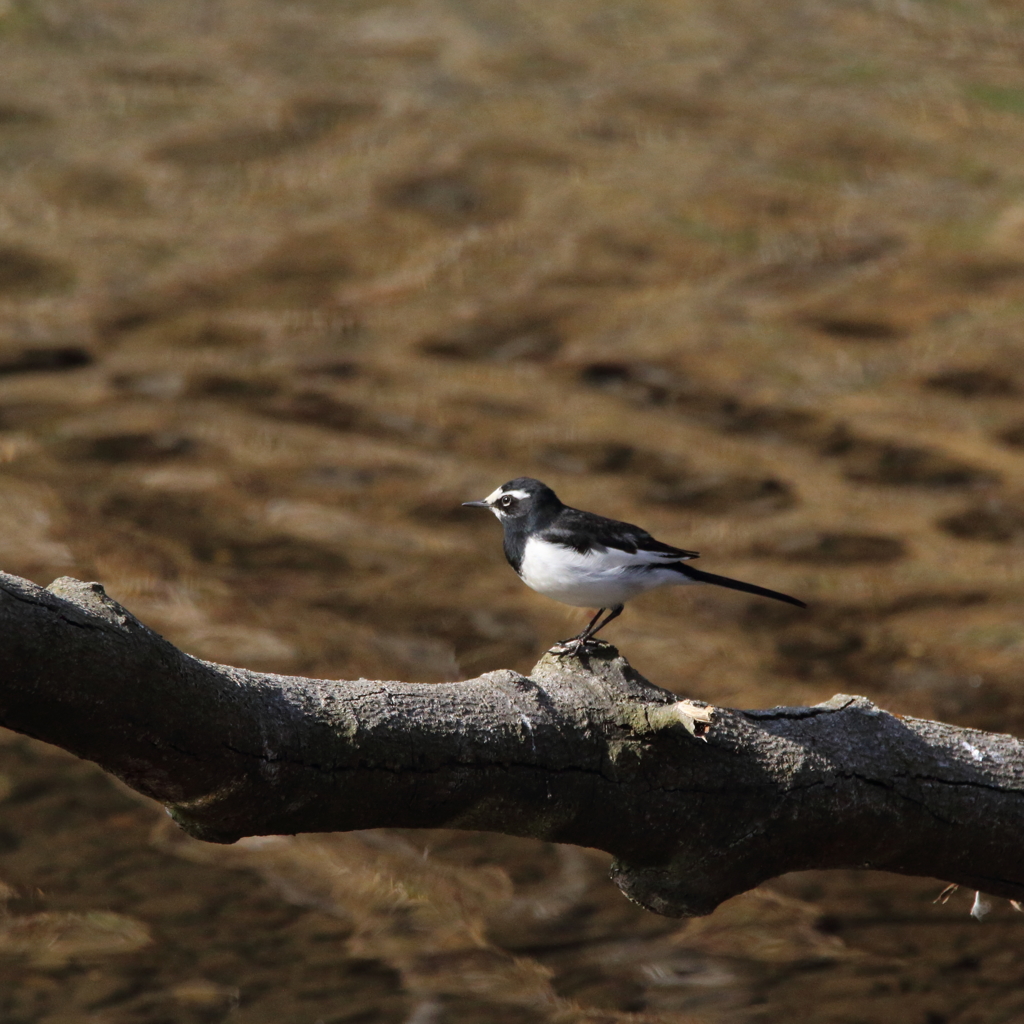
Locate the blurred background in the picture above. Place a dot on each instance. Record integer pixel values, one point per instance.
(282, 282)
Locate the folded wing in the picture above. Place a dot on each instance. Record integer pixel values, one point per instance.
(584, 532)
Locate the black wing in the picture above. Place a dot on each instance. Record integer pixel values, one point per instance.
(585, 531)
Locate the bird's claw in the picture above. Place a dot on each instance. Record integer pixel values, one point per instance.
(574, 645)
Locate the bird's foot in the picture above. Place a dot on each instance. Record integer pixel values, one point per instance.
(571, 646)
(575, 645)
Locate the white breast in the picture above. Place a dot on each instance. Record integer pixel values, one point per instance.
(597, 579)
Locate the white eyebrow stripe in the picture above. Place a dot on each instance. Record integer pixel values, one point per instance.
(499, 493)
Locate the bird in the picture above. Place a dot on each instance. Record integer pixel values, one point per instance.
(590, 561)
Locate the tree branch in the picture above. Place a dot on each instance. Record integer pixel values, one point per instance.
(583, 751)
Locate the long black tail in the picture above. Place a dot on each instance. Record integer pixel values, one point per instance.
(699, 576)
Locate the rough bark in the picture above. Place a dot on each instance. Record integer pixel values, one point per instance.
(583, 751)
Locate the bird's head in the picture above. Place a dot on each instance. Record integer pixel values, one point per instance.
(517, 499)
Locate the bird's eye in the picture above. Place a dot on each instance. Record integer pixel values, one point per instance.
(506, 501)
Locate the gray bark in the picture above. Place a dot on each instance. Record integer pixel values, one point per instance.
(583, 751)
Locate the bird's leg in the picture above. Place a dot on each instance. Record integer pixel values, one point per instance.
(591, 631)
(575, 644)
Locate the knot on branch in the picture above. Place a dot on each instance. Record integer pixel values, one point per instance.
(92, 599)
(600, 673)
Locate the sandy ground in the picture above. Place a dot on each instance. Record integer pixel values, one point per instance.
(281, 283)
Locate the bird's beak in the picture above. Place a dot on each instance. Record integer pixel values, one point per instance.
(475, 504)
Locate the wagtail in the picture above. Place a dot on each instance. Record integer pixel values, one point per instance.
(588, 561)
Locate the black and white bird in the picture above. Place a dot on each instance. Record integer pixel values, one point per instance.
(588, 561)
